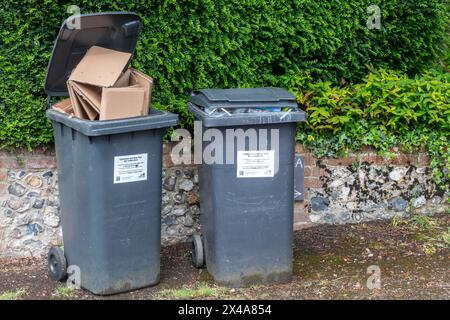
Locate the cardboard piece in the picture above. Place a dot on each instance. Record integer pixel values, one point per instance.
(102, 87)
(147, 83)
(77, 108)
(124, 79)
(89, 93)
(101, 67)
(116, 98)
(90, 111)
(64, 106)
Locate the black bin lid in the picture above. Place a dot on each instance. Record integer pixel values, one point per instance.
(113, 30)
(243, 98)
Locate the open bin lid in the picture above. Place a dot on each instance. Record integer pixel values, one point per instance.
(113, 30)
(243, 98)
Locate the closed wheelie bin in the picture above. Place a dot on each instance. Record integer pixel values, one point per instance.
(109, 173)
(247, 196)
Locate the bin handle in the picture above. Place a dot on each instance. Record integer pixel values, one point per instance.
(49, 102)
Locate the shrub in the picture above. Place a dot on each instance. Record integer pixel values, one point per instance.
(187, 45)
(386, 110)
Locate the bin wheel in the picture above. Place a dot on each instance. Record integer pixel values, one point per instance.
(198, 254)
(57, 264)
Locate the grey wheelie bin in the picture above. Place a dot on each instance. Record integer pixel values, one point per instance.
(246, 184)
(109, 174)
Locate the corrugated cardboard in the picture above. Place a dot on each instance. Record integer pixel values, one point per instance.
(113, 100)
(90, 111)
(101, 67)
(89, 93)
(64, 106)
(77, 108)
(102, 88)
(124, 79)
(145, 82)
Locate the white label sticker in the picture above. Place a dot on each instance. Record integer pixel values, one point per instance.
(130, 168)
(255, 164)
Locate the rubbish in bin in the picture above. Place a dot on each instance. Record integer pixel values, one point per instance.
(247, 205)
(100, 89)
(225, 111)
(64, 106)
(267, 109)
(109, 173)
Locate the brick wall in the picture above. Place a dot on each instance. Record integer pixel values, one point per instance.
(19, 159)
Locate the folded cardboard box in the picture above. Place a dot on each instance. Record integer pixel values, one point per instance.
(103, 87)
(64, 106)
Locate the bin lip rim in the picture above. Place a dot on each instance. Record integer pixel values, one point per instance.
(196, 109)
(209, 94)
(205, 117)
(159, 119)
(159, 113)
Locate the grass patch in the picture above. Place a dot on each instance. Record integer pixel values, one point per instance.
(422, 222)
(417, 221)
(445, 236)
(398, 221)
(63, 291)
(438, 241)
(377, 245)
(432, 233)
(205, 276)
(201, 291)
(12, 295)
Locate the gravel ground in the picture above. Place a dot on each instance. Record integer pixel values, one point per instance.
(330, 263)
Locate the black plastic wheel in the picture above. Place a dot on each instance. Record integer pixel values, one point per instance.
(198, 254)
(57, 264)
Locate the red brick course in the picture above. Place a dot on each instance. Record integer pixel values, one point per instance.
(11, 162)
(3, 175)
(313, 182)
(41, 163)
(345, 161)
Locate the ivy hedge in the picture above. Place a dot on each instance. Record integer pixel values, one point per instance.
(219, 43)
